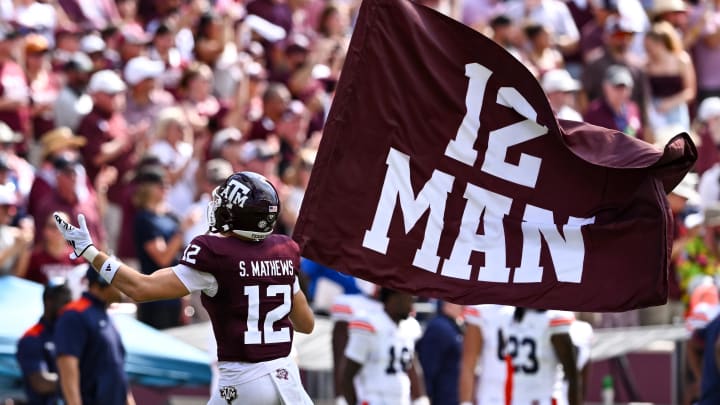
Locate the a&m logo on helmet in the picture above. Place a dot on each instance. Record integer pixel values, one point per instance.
(235, 193)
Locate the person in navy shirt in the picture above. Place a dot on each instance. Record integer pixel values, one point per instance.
(710, 380)
(439, 351)
(90, 354)
(36, 350)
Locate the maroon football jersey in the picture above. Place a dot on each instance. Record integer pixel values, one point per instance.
(250, 312)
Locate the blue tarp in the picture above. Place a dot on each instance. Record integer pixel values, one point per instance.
(153, 357)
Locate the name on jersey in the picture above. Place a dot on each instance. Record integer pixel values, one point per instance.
(267, 268)
(483, 227)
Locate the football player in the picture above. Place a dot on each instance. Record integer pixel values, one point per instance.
(380, 367)
(581, 334)
(346, 308)
(483, 343)
(537, 341)
(250, 289)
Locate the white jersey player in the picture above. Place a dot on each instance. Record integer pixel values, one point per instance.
(345, 309)
(482, 354)
(379, 357)
(538, 342)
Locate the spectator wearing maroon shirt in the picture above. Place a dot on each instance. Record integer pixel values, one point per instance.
(51, 259)
(69, 198)
(615, 109)
(58, 142)
(275, 103)
(111, 142)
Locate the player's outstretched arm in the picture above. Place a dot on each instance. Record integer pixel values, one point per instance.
(301, 315)
(160, 285)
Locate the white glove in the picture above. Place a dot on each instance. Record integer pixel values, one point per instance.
(78, 238)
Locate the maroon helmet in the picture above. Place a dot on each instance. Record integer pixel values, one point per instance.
(246, 204)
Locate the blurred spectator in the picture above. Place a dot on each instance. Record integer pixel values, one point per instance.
(17, 170)
(60, 141)
(195, 96)
(67, 43)
(226, 144)
(619, 33)
(90, 353)
(72, 199)
(44, 84)
(73, 102)
(541, 55)
(507, 35)
(51, 260)
(91, 14)
(133, 42)
(145, 100)
(439, 350)
(14, 91)
(111, 142)
(172, 144)
(672, 11)
(707, 127)
(297, 177)
(159, 241)
(163, 49)
(36, 350)
(671, 79)
(706, 51)
(561, 90)
(615, 109)
(551, 14)
(277, 12)
(97, 50)
(591, 34)
(31, 15)
(15, 241)
(275, 102)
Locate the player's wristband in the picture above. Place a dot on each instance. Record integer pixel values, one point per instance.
(90, 253)
(109, 268)
(423, 400)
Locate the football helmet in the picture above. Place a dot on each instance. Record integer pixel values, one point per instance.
(246, 204)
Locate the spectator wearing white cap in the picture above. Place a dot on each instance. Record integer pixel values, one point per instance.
(95, 47)
(560, 89)
(227, 144)
(145, 97)
(111, 142)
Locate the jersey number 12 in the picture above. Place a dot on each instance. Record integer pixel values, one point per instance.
(253, 335)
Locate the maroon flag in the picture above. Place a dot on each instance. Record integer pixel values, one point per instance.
(443, 172)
